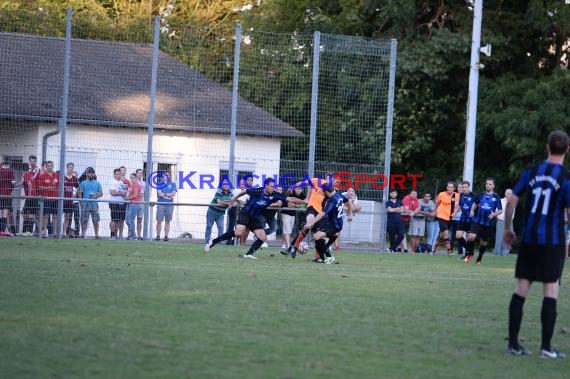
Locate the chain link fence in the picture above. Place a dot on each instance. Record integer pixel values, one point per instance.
(196, 104)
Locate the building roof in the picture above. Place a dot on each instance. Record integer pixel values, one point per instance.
(110, 85)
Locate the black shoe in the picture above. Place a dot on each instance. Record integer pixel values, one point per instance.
(293, 251)
(166, 239)
(315, 260)
(157, 238)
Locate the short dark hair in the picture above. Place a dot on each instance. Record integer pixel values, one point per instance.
(33, 157)
(116, 170)
(267, 181)
(558, 142)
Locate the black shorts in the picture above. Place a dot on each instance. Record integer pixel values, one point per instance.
(50, 207)
(540, 263)
(117, 211)
(443, 224)
(327, 228)
(68, 207)
(30, 207)
(6, 203)
(463, 226)
(406, 224)
(251, 222)
(311, 211)
(483, 231)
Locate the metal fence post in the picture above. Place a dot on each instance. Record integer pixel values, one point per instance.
(58, 233)
(314, 103)
(388, 149)
(233, 125)
(149, 168)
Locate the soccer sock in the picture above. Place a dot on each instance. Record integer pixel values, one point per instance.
(462, 244)
(3, 224)
(321, 247)
(254, 246)
(223, 237)
(470, 247)
(515, 318)
(331, 241)
(300, 237)
(548, 319)
(482, 250)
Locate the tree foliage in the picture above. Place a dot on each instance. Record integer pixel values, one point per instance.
(523, 89)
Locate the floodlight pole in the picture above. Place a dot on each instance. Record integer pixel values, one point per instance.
(473, 91)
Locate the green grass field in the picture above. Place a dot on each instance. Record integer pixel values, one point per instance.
(114, 309)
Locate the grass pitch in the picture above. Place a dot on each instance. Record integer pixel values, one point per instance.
(120, 309)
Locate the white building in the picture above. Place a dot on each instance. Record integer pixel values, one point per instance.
(108, 118)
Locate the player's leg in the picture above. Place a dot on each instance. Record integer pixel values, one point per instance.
(515, 316)
(261, 237)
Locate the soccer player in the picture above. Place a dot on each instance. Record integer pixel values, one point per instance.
(447, 204)
(484, 212)
(331, 226)
(315, 198)
(251, 216)
(466, 200)
(541, 254)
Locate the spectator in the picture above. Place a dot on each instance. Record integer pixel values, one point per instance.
(89, 189)
(7, 182)
(140, 178)
(126, 184)
(411, 204)
(135, 196)
(30, 209)
(500, 247)
(165, 208)
(289, 217)
(427, 208)
(47, 185)
(217, 210)
(394, 225)
(76, 215)
(234, 209)
(70, 185)
(119, 192)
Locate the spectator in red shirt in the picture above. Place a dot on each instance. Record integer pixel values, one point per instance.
(47, 186)
(7, 182)
(411, 204)
(30, 210)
